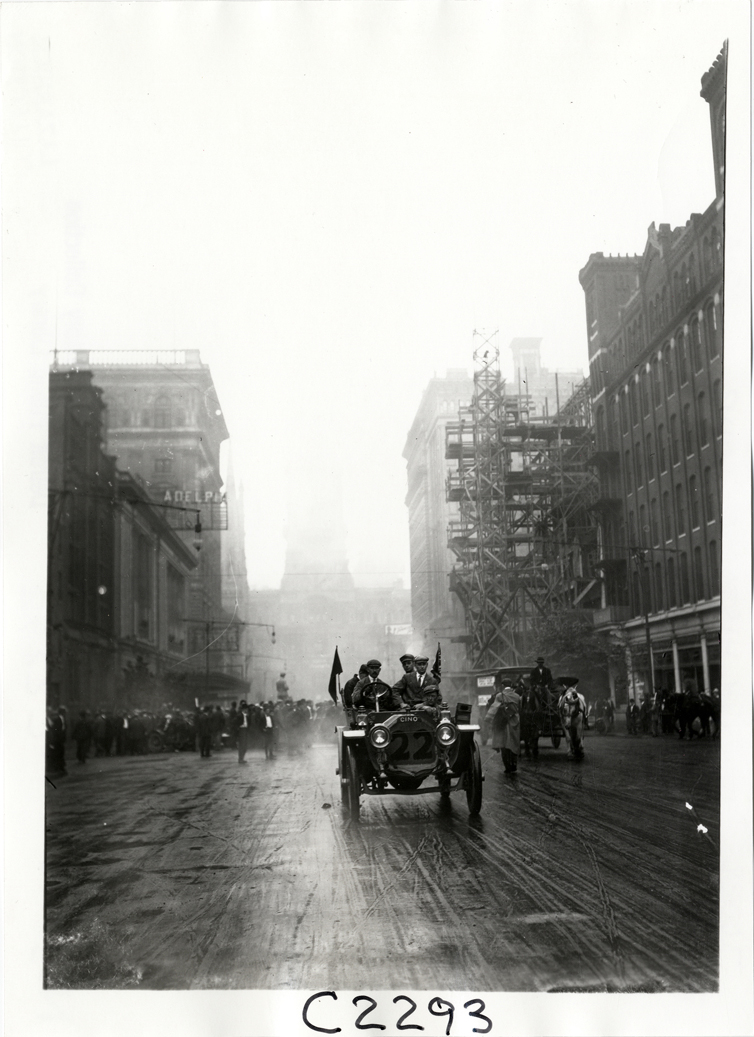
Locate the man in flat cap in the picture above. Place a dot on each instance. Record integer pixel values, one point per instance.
(407, 662)
(373, 693)
(414, 686)
(350, 685)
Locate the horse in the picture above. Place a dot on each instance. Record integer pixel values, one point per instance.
(572, 709)
(688, 708)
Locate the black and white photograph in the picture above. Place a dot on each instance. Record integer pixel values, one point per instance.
(373, 654)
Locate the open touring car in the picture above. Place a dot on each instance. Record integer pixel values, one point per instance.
(409, 752)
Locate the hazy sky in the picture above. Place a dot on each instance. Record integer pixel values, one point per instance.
(327, 199)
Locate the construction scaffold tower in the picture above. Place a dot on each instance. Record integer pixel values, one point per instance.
(523, 535)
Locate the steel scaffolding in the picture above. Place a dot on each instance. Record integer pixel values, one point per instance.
(524, 537)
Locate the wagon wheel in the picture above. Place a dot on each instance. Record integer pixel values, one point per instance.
(354, 785)
(154, 742)
(474, 781)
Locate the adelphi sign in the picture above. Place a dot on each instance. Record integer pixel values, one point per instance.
(193, 497)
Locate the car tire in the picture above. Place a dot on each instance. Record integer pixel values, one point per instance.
(354, 785)
(474, 781)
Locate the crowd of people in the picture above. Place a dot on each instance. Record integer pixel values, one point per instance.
(295, 725)
(689, 713)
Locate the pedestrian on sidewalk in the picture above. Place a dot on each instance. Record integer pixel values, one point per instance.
(82, 736)
(268, 732)
(506, 723)
(243, 723)
(204, 731)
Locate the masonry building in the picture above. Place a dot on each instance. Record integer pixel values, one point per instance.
(655, 337)
(164, 425)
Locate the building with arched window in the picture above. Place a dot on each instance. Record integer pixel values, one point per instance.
(163, 423)
(655, 337)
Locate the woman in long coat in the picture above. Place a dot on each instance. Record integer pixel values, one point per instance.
(505, 714)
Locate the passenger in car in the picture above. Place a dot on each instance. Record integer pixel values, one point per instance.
(413, 686)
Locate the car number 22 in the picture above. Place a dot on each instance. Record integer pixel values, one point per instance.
(416, 745)
(437, 1006)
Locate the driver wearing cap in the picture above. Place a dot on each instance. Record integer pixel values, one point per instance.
(374, 694)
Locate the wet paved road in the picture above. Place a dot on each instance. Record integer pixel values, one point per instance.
(174, 872)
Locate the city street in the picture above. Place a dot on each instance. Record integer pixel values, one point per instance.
(176, 872)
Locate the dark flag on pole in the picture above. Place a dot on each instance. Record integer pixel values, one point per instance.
(437, 665)
(336, 671)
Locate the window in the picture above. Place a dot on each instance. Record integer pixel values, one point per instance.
(692, 274)
(717, 403)
(614, 422)
(674, 444)
(696, 345)
(600, 429)
(656, 382)
(698, 574)
(632, 401)
(672, 598)
(714, 569)
(654, 515)
(162, 412)
(637, 461)
(661, 448)
(710, 332)
(176, 609)
(650, 458)
(632, 529)
(668, 364)
(643, 527)
(142, 587)
(628, 472)
(163, 465)
(709, 495)
(623, 413)
(644, 393)
(667, 515)
(685, 586)
(664, 304)
(146, 419)
(707, 264)
(683, 357)
(702, 419)
(659, 604)
(680, 511)
(694, 502)
(688, 433)
(717, 249)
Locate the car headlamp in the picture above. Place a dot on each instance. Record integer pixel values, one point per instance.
(446, 734)
(379, 736)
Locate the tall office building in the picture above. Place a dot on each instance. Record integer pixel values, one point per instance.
(437, 614)
(545, 391)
